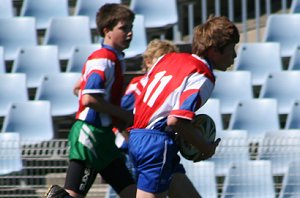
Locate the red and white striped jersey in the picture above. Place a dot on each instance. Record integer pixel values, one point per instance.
(177, 85)
(102, 74)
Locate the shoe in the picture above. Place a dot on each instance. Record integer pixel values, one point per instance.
(56, 191)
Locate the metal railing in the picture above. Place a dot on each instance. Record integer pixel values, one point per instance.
(262, 9)
(47, 162)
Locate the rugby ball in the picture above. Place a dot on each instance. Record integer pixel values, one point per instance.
(205, 125)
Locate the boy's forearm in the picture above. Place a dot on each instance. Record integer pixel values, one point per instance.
(101, 105)
(188, 132)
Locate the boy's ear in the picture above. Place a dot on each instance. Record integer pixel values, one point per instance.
(105, 30)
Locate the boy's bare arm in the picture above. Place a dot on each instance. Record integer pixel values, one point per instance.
(187, 131)
(100, 105)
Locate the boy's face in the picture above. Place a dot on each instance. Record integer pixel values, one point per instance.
(223, 60)
(120, 36)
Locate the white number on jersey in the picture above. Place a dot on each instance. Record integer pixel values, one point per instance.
(153, 94)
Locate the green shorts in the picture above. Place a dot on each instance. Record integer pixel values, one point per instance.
(95, 146)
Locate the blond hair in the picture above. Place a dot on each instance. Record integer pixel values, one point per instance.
(157, 48)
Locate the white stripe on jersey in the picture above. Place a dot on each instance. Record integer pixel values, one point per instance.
(92, 91)
(98, 64)
(206, 85)
(83, 113)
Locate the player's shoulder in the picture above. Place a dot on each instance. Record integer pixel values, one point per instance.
(178, 54)
(103, 53)
(183, 57)
(137, 79)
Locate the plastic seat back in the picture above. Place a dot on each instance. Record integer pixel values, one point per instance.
(289, 38)
(79, 56)
(2, 61)
(280, 147)
(139, 41)
(213, 108)
(293, 117)
(32, 119)
(250, 53)
(232, 148)
(249, 179)
(202, 175)
(10, 153)
(35, 62)
(230, 87)
(256, 116)
(158, 14)
(58, 89)
(295, 7)
(6, 9)
(17, 32)
(13, 88)
(291, 182)
(282, 86)
(44, 11)
(294, 63)
(67, 33)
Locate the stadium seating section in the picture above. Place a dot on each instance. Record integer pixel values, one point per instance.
(255, 105)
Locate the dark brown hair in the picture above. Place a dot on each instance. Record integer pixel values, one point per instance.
(110, 14)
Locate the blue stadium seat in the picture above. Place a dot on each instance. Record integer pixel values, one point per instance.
(13, 88)
(289, 38)
(67, 33)
(36, 61)
(202, 175)
(282, 86)
(32, 120)
(10, 153)
(90, 8)
(293, 117)
(17, 32)
(256, 116)
(79, 56)
(2, 61)
(6, 9)
(280, 147)
(230, 87)
(255, 57)
(249, 179)
(44, 11)
(294, 63)
(295, 7)
(213, 108)
(58, 89)
(139, 41)
(159, 15)
(111, 193)
(232, 148)
(291, 181)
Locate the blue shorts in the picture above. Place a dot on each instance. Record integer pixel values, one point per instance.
(154, 155)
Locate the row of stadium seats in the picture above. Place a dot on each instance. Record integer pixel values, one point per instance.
(256, 115)
(244, 179)
(67, 30)
(278, 143)
(66, 33)
(159, 15)
(277, 162)
(45, 58)
(45, 10)
(61, 33)
(232, 106)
